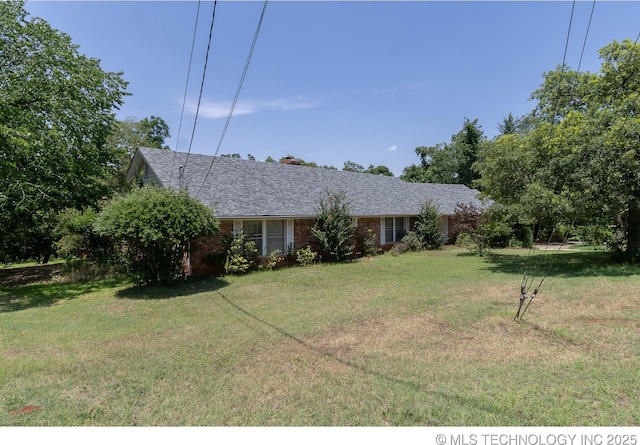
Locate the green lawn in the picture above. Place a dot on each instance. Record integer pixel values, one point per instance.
(419, 339)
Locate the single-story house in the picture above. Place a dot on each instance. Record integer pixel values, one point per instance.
(275, 204)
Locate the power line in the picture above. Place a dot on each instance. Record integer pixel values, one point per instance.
(584, 43)
(235, 99)
(184, 98)
(204, 74)
(573, 182)
(525, 285)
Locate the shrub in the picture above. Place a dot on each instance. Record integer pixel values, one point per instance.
(464, 239)
(399, 248)
(412, 241)
(595, 235)
(496, 233)
(368, 242)
(334, 228)
(305, 256)
(466, 219)
(273, 260)
(152, 227)
(76, 237)
(427, 226)
(241, 255)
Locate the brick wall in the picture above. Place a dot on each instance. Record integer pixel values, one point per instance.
(208, 254)
(203, 252)
(302, 234)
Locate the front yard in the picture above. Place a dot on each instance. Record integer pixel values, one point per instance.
(420, 339)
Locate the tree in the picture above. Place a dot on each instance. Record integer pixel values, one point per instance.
(131, 133)
(335, 228)
(580, 158)
(379, 170)
(509, 125)
(56, 112)
(351, 166)
(414, 173)
(451, 163)
(153, 226)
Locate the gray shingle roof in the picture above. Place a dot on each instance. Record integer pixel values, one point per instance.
(240, 188)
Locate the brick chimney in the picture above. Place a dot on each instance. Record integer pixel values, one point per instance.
(290, 160)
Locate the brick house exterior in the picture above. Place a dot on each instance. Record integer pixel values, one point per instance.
(275, 204)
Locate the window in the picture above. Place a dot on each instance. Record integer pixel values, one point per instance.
(275, 236)
(269, 235)
(394, 229)
(253, 232)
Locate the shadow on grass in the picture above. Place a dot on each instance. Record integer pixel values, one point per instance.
(560, 264)
(46, 294)
(191, 286)
(18, 298)
(400, 418)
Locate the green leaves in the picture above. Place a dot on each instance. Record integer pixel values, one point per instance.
(579, 159)
(56, 110)
(335, 227)
(451, 163)
(427, 226)
(154, 226)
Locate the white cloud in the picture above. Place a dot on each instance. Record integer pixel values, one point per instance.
(220, 109)
(393, 148)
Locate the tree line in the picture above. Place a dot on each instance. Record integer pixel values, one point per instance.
(570, 167)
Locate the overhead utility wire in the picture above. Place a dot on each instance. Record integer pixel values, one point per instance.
(235, 99)
(537, 289)
(613, 96)
(184, 98)
(204, 74)
(525, 285)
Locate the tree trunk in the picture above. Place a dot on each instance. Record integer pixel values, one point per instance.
(633, 230)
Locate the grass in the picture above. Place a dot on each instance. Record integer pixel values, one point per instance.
(419, 339)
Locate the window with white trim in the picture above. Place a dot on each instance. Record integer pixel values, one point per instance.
(268, 234)
(252, 231)
(275, 235)
(395, 228)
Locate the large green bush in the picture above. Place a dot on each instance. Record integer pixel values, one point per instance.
(335, 227)
(76, 237)
(427, 226)
(152, 227)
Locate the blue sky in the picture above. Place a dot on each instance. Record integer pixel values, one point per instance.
(329, 82)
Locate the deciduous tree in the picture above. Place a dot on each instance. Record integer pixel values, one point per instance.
(580, 159)
(56, 112)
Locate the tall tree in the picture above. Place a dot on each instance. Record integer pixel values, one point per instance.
(581, 158)
(56, 112)
(129, 134)
(509, 125)
(449, 163)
